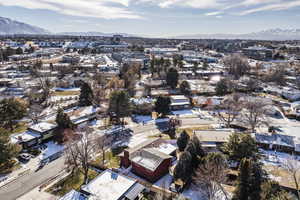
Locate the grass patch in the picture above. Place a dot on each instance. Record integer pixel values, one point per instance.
(9, 167)
(111, 159)
(284, 176)
(19, 128)
(66, 93)
(72, 181)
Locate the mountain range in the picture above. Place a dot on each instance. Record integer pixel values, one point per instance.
(270, 34)
(9, 27)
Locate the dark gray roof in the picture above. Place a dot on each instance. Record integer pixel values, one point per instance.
(134, 191)
(278, 139)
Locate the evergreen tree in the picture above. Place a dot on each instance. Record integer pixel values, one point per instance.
(86, 95)
(10, 111)
(182, 169)
(194, 147)
(183, 140)
(185, 88)
(241, 146)
(119, 104)
(8, 150)
(19, 51)
(162, 105)
(222, 87)
(172, 78)
(250, 179)
(62, 120)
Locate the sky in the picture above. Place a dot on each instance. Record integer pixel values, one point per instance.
(155, 17)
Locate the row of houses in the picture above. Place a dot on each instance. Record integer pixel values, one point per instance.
(43, 131)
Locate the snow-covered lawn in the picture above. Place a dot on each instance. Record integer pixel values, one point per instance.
(52, 149)
(277, 158)
(183, 112)
(147, 119)
(67, 89)
(165, 181)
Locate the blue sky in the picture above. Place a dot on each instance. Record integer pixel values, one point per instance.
(155, 17)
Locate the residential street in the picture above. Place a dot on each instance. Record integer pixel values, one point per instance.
(27, 182)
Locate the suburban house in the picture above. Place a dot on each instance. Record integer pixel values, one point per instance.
(212, 139)
(151, 164)
(34, 135)
(179, 102)
(79, 115)
(110, 185)
(278, 142)
(26, 139)
(44, 129)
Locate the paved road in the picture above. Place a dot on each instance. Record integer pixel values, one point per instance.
(32, 180)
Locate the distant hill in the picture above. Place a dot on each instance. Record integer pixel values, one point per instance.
(94, 34)
(9, 27)
(271, 34)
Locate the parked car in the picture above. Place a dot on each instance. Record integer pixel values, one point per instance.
(25, 157)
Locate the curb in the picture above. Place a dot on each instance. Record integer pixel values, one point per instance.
(14, 179)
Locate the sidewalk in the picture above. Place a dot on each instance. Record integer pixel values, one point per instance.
(25, 169)
(37, 194)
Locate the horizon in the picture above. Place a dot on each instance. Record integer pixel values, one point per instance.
(154, 18)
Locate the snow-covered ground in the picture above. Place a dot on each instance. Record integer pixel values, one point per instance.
(52, 149)
(277, 158)
(147, 119)
(67, 89)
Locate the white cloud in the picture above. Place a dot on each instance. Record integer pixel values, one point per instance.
(213, 13)
(114, 9)
(202, 4)
(83, 8)
(272, 7)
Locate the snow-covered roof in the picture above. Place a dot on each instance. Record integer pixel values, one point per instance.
(166, 148)
(73, 195)
(109, 186)
(150, 158)
(24, 137)
(42, 127)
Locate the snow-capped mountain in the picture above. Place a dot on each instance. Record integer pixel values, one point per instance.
(270, 34)
(9, 26)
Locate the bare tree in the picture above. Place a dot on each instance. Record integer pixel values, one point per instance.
(79, 152)
(45, 85)
(34, 112)
(230, 109)
(293, 167)
(236, 65)
(254, 112)
(277, 75)
(210, 175)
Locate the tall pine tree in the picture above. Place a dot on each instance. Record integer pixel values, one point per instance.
(86, 95)
(250, 179)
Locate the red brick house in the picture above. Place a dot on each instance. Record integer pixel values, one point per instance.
(126, 156)
(151, 164)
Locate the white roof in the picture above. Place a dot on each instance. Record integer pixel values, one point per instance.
(166, 148)
(109, 186)
(42, 127)
(24, 137)
(73, 195)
